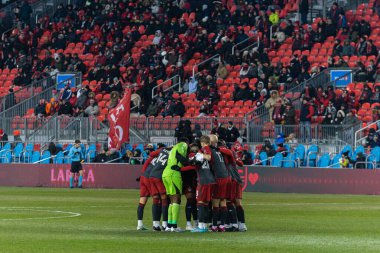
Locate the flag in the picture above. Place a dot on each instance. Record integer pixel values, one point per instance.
(119, 122)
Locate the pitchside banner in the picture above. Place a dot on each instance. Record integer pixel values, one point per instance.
(255, 179)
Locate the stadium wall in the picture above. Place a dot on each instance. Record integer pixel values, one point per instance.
(256, 179)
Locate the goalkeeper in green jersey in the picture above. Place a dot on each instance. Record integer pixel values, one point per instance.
(172, 180)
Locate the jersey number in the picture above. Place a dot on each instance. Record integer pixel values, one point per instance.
(220, 157)
(161, 159)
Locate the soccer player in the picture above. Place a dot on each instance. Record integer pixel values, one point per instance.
(76, 155)
(145, 191)
(219, 203)
(189, 179)
(172, 179)
(158, 191)
(229, 158)
(206, 181)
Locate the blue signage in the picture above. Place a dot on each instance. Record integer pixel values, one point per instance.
(64, 79)
(342, 77)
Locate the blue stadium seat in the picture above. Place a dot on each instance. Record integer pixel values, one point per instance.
(277, 160)
(44, 157)
(17, 152)
(370, 159)
(91, 152)
(6, 156)
(290, 160)
(300, 152)
(345, 149)
(28, 152)
(335, 161)
(287, 147)
(263, 157)
(311, 156)
(36, 156)
(324, 161)
(359, 149)
(140, 146)
(376, 153)
(59, 158)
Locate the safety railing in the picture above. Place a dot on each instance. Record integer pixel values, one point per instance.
(48, 84)
(255, 40)
(313, 133)
(196, 66)
(361, 134)
(323, 79)
(175, 81)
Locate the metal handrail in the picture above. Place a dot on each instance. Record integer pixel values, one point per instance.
(362, 129)
(159, 85)
(293, 161)
(373, 164)
(241, 42)
(203, 62)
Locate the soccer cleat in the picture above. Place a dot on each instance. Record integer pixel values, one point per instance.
(189, 228)
(142, 228)
(221, 229)
(214, 229)
(178, 230)
(199, 230)
(167, 229)
(157, 229)
(81, 187)
(242, 227)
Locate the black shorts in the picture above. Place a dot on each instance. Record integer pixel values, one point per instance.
(76, 167)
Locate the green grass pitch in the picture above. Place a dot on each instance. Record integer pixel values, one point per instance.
(47, 220)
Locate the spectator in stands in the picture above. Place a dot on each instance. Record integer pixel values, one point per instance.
(243, 92)
(369, 141)
(347, 49)
(40, 109)
(16, 138)
(179, 108)
(359, 162)
(307, 111)
(183, 130)
(153, 108)
(271, 102)
(340, 115)
(376, 95)
(371, 74)
(297, 42)
(193, 85)
(66, 93)
(52, 107)
(197, 132)
(82, 97)
(289, 115)
(205, 109)
(232, 133)
(3, 138)
(337, 49)
(344, 161)
(10, 99)
(292, 141)
(278, 116)
(25, 12)
(350, 119)
(361, 46)
(246, 157)
(203, 93)
(366, 95)
(268, 148)
(65, 108)
(92, 109)
(222, 71)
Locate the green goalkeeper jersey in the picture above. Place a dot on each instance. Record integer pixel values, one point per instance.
(179, 149)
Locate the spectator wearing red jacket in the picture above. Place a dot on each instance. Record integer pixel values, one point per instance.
(307, 111)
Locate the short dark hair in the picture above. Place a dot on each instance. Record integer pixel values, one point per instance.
(77, 141)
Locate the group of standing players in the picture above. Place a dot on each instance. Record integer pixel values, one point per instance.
(206, 173)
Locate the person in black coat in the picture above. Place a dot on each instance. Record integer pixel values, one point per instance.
(232, 133)
(304, 10)
(66, 109)
(179, 108)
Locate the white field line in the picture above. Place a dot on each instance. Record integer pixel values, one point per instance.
(36, 209)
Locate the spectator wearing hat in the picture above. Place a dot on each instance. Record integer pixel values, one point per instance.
(16, 138)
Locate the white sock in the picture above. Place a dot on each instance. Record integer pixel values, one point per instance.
(201, 225)
(188, 223)
(165, 224)
(156, 223)
(235, 225)
(140, 223)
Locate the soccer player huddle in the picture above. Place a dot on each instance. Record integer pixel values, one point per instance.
(206, 173)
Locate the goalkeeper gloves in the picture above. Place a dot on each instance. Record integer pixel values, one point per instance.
(199, 157)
